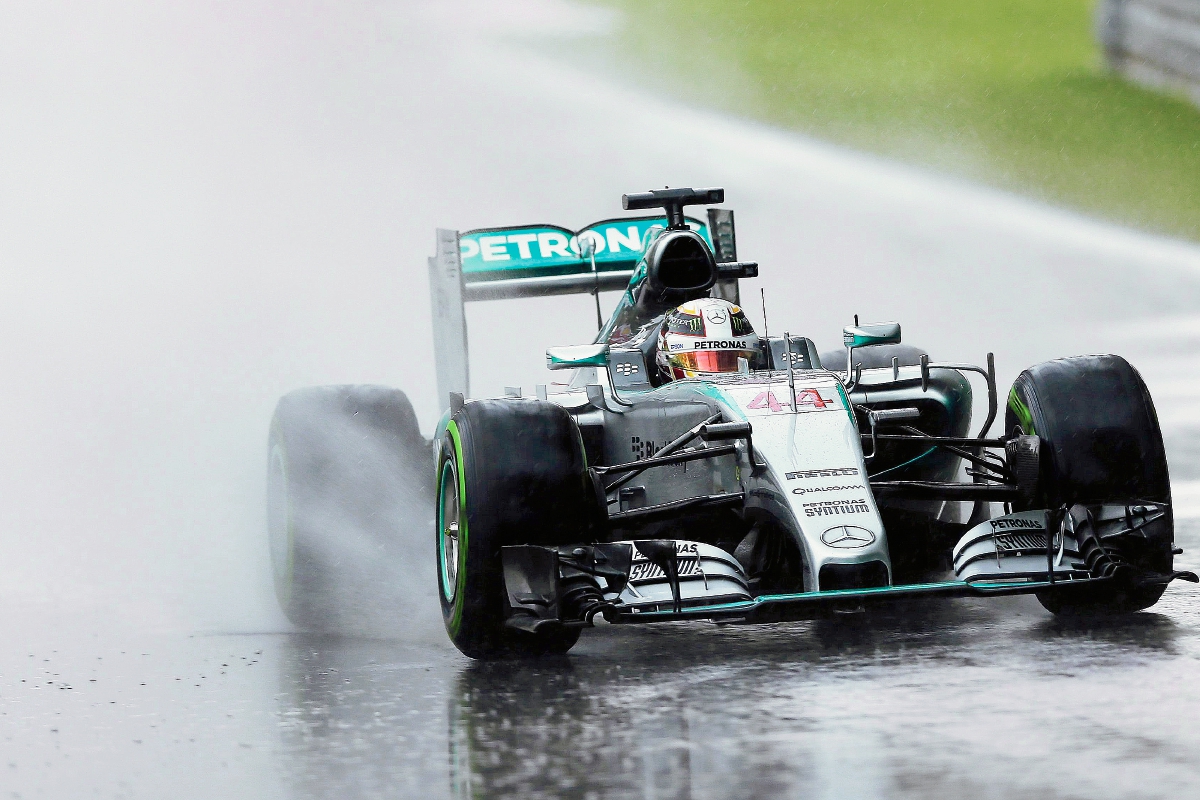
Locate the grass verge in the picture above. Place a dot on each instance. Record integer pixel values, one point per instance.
(1010, 92)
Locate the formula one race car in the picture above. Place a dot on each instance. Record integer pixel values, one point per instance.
(692, 469)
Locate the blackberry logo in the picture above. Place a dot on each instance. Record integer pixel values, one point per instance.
(641, 448)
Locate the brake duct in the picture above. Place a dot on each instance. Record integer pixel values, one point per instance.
(549, 585)
(570, 585)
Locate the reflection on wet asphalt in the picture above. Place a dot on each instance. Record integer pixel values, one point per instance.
(989, 699)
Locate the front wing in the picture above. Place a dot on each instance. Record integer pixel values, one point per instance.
(645, 581)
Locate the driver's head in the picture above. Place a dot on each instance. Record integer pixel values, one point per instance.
(705, 336)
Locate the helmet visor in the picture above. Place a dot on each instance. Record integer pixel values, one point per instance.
(710, 360)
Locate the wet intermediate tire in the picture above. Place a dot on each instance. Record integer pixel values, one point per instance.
(509, 472)
(348, 487)
(1100, 443)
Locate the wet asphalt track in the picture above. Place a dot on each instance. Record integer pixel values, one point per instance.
(208, 206)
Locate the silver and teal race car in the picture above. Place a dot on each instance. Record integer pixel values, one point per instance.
(800, 485)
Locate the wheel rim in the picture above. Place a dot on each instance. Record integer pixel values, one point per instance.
(448, 530)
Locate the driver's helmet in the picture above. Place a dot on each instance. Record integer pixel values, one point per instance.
(705, 336)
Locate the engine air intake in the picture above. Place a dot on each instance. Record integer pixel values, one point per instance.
(684, 263)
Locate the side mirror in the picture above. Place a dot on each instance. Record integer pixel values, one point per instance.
(576, 356)
(855, 336)
(869, 335)
(586, 243)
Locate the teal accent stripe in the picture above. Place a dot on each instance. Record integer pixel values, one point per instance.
(708, 390)
(905, 464)
(767, 599)
(848, 405)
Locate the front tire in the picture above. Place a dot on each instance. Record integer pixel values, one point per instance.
(509, 472)
(1100, 443)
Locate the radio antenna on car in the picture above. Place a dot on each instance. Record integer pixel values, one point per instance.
(766, 332)
(787, 354)
(767, 338)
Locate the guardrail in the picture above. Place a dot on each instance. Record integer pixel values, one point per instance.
(1153, 42)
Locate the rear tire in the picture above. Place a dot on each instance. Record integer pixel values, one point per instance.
(1100, 443)
(509, 472)
(347, 484)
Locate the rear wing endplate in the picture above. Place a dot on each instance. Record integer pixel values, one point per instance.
(540, 261)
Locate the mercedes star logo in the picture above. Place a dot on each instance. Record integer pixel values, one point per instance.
(716, 316)
(848, 537)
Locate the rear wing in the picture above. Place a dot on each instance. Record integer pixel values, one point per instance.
(539, 261)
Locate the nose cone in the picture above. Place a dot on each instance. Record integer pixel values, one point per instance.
(816, 473)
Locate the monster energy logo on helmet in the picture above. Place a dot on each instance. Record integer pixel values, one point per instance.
(685, 323)
(705, 336)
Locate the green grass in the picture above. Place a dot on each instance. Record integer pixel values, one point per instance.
(1010, 92)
